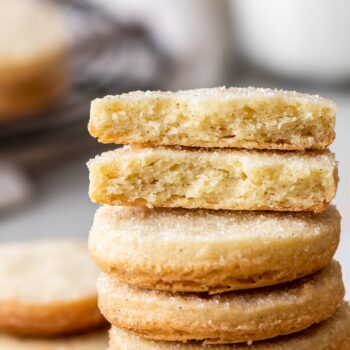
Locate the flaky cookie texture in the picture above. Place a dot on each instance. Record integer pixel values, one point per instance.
(215, 117)
(328, 335)
(214, 179)
(48, 288)
(93, 341)
(224, 318)
(211, 251)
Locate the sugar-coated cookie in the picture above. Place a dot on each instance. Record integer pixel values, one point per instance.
(328, 335)
(215, 117)
(211, 251)
(48, 288)
(224, 318)
(214, 179)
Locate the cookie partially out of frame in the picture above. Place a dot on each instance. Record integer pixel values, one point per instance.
(93, 341)
(33, 48)
(332, 334)
(31, 100)
(211, 251)
(47, 288)
(33, 41)
(214, 179)
(215, 117)
(232, 317)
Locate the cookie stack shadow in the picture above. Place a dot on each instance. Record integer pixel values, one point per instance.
(216, 229)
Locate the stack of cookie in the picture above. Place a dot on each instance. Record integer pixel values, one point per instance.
(216, 227)
(48, 297)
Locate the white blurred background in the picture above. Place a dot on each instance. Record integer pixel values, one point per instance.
(122, 45)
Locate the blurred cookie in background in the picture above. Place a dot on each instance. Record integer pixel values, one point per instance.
(33, 47)
(93, 341)
(48, 288)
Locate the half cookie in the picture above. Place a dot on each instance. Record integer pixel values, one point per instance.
(217, 117)
(224, 318)
(204, 250)
(48, 288)
(218, 179)
(94, 341)
(328, 335)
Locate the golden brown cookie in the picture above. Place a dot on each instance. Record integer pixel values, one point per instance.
(215, 117)
(26, 103)
(224, 318)
(214, 179)
(48, 288)
(328, 335)
(94, 341)
(205, 250)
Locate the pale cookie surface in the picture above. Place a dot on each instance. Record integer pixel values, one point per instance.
(328, 335)
(94, 341)
(214, 179)
(48, 288)
(205, 250)
(216, 117)
(224, 318)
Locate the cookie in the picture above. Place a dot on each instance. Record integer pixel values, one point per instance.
(328, 335)
(214, 179)
(224, 318)
(216, 117)
(33, 40)
(48, 288)
(33, 50)
(21, 104)
(211, 251)
(94, 341)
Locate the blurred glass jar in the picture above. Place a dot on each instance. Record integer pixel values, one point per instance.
(193, 34)
(307, 40)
